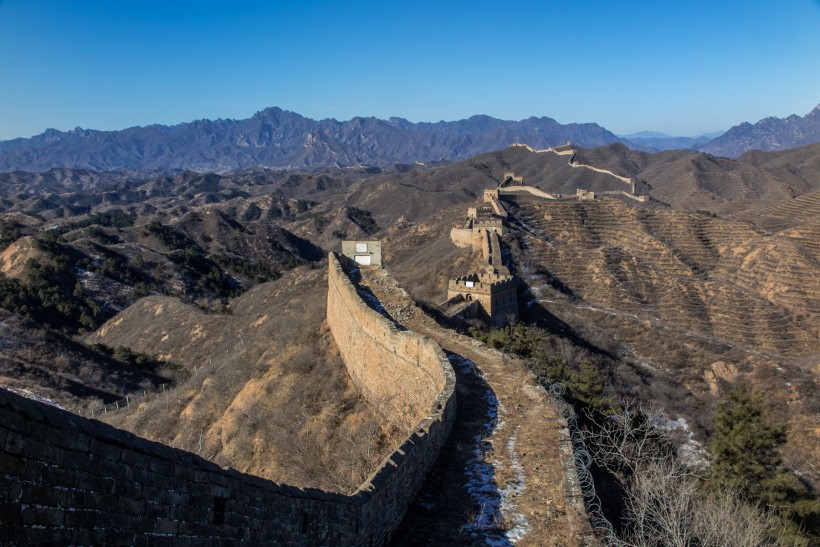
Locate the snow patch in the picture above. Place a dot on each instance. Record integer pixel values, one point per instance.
(512, 490)
(33, 396)
(691, 453)
(497, 508)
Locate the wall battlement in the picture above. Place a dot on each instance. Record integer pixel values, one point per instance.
(494, 224)
(496, 293)
(484, 283)
(70, 480)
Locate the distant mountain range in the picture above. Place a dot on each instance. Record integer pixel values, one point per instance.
(282, 139)
(769, 134)
(285, 140)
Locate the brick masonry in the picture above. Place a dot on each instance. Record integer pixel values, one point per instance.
(71, 480)
(399, 371)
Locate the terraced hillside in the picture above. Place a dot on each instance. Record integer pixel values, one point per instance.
(798, 219)
(689, 301)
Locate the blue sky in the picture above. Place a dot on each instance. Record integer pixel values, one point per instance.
(683, 68)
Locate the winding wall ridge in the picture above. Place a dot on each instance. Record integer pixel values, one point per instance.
(70, 480)
(571, 152)
(518, 190)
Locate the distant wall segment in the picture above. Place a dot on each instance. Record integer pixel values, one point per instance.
(65, 479)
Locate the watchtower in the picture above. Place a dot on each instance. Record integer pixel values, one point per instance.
(365, 253)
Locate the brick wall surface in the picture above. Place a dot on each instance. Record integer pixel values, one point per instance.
(70, 480)
(399, 371)
(65, 479)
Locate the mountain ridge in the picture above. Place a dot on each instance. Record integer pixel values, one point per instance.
(282, 139)
(768, 134)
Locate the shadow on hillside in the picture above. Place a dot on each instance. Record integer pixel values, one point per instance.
(460, 502)
(533, 313)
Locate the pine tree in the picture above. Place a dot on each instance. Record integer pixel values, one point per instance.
(745, 448)
(746, 458)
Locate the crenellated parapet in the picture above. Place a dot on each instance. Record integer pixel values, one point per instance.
(482, 283)
(491, 224)
(497, 295)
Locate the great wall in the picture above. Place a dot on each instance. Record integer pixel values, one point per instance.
(68, 479)
(512, 185)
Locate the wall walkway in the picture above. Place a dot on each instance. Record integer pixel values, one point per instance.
(532, 458)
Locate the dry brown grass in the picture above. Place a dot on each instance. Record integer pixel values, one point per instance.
(272, 398)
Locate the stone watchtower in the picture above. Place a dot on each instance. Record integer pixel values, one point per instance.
(491, 294)
(496, 294)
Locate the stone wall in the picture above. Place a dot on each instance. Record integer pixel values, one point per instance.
(494, 255)
(630, 195)
(572, 163)
(627, 180)
(408, 377)
(463, 237)
(70, 480)
(522, 190)
(399, 371)
(484, 238)
(65, 479)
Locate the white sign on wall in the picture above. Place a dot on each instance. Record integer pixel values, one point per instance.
(364, 260)
(361, 247)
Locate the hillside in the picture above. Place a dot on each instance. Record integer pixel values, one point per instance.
(675, 306)
(282, 139)
(267, 395)
(678, 304)
(76, 377)
(698, 181)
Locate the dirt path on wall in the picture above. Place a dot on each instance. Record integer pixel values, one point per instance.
(519, 446)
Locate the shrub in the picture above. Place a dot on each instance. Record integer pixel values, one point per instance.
(583, 380)
(363, 219)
